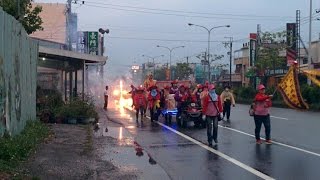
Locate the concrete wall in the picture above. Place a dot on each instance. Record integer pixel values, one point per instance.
(18, 57)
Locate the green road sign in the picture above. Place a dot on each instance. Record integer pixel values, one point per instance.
(93, 40)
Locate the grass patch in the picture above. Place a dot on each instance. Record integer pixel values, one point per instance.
(14, 150)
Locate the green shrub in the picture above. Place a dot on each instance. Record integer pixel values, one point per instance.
(244, 93)
(17, 148)
(77, 108)
(311, 94)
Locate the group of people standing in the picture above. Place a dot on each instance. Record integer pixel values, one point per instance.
(214, 107)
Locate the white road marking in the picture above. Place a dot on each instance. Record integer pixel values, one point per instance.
(248, 168)
(274, 142)
(226, 157)
(279, 117)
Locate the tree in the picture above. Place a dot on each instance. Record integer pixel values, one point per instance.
(269, 53)
(26, 14)
(183, 71)
(160, 74)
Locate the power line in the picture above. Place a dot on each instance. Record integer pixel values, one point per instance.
(189, 12)
(181, 15)
(156, 39)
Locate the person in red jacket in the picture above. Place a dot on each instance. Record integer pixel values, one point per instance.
(212, 108)
(262, 104)
(140, 103)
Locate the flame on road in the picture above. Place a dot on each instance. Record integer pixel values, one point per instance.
(124, 101)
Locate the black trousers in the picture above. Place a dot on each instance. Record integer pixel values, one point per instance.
(227, 109)
(106, 97)
(212, 128)
(141, 110)
(154, 114)
(265, 120)
(168, 118)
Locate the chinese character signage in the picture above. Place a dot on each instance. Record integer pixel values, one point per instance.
(253, 48)
(291, 43)
(93, 41)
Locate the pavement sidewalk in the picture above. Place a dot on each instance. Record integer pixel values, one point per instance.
(81, 152)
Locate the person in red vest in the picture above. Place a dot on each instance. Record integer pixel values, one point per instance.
(181, 98)
(140, 103)
(212, 108)
(262, 104)
(174, 87)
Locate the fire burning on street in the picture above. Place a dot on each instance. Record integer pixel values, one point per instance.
(123, 98)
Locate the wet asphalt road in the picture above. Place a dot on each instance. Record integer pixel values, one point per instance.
(296, 156)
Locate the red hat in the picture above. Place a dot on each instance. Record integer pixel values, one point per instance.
(199, 86)
(167, 87)
(182, 86)
(174, 82)
(261, 86)
(211, 86)
(141, 88)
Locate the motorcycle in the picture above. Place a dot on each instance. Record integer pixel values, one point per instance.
(192, 112)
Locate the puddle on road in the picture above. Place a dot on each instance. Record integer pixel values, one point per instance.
(128, 155)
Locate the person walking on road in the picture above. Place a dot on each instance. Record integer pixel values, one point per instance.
(169, 104)
(197, 92)
(181, 98)
(132, 92)
(174, 87)
(212, 108)
(106, 97)
(262, 104)
(227, 100)
(140, 103)
(154, 102)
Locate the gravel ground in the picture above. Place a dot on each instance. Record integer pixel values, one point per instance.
(73, 153)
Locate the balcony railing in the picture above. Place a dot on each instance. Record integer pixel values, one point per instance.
(234, 77)
(241, 60)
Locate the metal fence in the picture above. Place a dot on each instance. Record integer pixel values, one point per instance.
(18, 71)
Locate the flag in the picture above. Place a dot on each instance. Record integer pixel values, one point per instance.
(290, 90)
(312, 75)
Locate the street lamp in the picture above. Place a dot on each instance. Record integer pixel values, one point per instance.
(170, 50)
(209, 31)
(154, 70)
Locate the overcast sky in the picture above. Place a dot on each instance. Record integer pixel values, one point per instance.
(138, 26)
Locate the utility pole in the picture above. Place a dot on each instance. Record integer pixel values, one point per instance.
(68, 15)
(298, 20)
(229, 44)
(258, 44)
(310, 33)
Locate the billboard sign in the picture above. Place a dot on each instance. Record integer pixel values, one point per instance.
(253, 48)
(135, 67)
(93, 43)
(291, 43)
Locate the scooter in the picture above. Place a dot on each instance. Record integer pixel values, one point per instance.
(192, 112)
